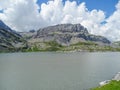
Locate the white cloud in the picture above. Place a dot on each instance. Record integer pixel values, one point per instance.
(23, 15)
(112, 28)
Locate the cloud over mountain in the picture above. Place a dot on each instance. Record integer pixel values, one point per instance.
(23, 15)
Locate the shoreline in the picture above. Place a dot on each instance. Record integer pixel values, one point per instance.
(61, 51)
(116, 78)
(113, 84)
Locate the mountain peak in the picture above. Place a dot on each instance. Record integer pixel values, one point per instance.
(9, 39)
(66, 34)
(64, 28)
(4, 26)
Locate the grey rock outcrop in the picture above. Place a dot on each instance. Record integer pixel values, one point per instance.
(66, 34)
(9, 39)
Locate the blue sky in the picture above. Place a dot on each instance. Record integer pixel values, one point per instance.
(102, 17)
(108, 6)
(1, 11)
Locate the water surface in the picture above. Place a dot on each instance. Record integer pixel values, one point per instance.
(56, 71)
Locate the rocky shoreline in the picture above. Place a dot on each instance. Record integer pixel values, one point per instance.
(116, 78)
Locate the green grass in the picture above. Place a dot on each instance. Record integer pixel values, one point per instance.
(81, 46)
(113, 85)
(48, 46)
(53, 43)
(54, 46)
(86, 43)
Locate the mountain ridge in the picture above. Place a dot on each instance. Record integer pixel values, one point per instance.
(68, 34)
(61, 37)
(9, 39)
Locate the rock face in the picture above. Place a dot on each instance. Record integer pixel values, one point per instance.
(9, 39)
(62, 34)
(116, 44)
(66, 34)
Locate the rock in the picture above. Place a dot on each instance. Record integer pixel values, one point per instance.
(116, 44)
(9, 39)
(32, 31)
(104, 82)
(67, 34)
(62, 34)
(117, 77)
(90, 37)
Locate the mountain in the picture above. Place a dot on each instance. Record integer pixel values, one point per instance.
(116, 44)
(9, 39)
(67, 34)
(4, 26)
(61, 37)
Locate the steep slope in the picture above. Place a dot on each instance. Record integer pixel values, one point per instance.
(9, 39)
(116, 44)
(67, 34)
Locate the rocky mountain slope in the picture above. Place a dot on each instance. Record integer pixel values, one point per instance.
(9, 39)
(61, 37)
(66, 37)
(67, 34)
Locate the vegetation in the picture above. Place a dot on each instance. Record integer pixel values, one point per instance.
(113, 85)
(54, 46)
(81, 46)
(85, 43)
(44, 46)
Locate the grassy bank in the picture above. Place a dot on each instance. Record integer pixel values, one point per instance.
(55, 47)
(113, 85)
(81, 46)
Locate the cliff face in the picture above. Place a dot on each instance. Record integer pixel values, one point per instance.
(9, 39)
(67, 34)
(51, 38)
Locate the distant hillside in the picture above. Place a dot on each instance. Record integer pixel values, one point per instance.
(9, 39)
(67, 34)
(66, 37)
(62, 37)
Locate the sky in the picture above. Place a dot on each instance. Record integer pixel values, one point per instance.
(108, 6)
(100, 17)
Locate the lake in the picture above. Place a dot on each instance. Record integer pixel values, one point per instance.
(56, 71)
